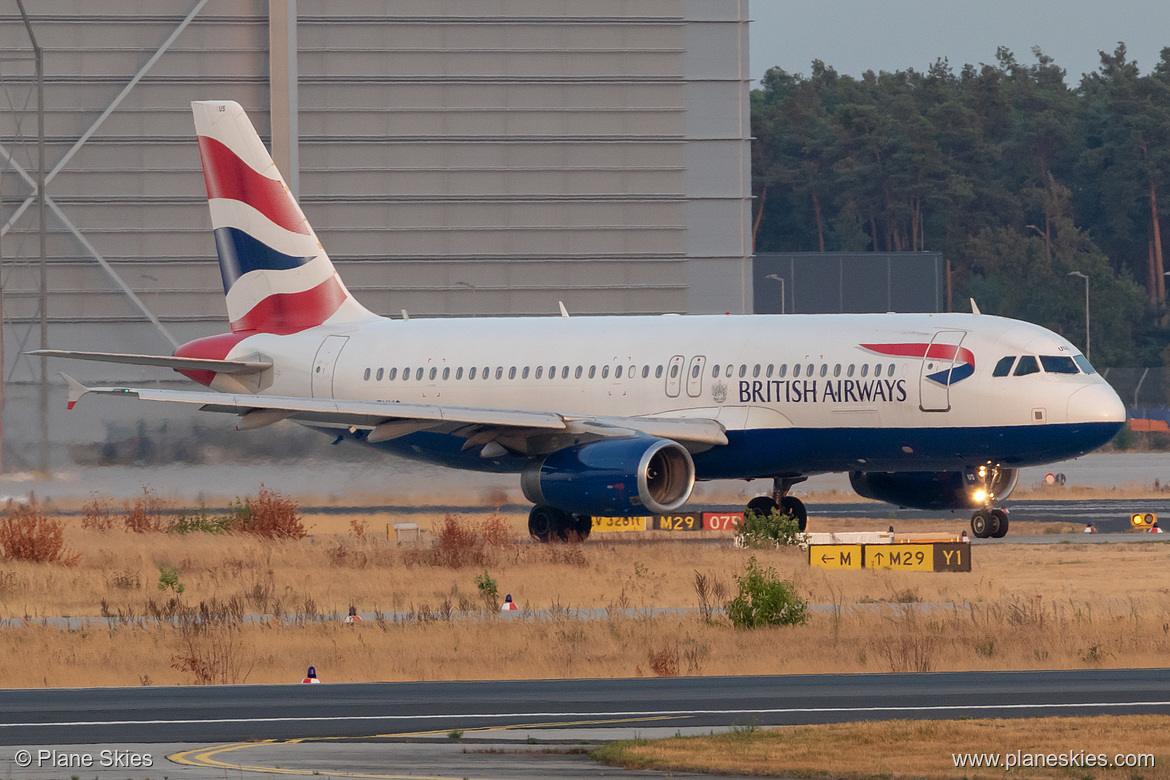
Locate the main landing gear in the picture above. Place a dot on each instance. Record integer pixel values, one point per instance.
(781, 502)
(547, 524)
(990, 523)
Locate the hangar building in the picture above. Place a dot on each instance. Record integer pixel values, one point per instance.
(456, 157)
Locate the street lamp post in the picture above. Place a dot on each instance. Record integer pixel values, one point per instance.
(778, 278)
(1088, 338)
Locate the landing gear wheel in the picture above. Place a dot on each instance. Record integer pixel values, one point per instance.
(999, 523)
(583, 524)
(546, 522)
(981, 524)
(762, 505)
(794, 507)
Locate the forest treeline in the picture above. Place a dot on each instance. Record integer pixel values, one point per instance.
(1017, 176)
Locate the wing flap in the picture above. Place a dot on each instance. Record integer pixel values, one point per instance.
(374, 414)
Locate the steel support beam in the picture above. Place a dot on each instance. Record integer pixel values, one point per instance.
(282, 84)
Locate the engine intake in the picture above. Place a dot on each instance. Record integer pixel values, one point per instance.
(935, 489)
(619, 477)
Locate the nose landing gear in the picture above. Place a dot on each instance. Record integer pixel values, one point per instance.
(990, 523)
(781, 502)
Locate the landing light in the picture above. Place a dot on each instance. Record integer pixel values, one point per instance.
(979, 496)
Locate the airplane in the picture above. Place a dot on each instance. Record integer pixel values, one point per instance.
(621, 415)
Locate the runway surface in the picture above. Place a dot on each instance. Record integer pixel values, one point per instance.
(210, 714)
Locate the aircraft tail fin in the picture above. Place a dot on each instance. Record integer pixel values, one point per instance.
(276, 275)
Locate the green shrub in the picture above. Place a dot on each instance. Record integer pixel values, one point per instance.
(767, 531)
(765, 600)
(200, 522)
(168, 579)
(489, 591)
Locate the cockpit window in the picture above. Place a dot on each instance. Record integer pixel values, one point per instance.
(1058, 364)
(1083, 362)
(1027, 365)
(1004, 366)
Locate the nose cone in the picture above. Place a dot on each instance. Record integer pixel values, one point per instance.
(1097, 403)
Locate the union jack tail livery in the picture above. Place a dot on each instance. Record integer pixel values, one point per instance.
(276, 275)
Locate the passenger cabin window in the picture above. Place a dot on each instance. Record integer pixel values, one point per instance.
(366, 375)
(850, 371)
(768, 370)
(1058, 364)
(458, 373)
(512, 372)
(605, 372)
(617, 372)
(446, 373)
(577, 373)
(865, 369)
(405, 374)
(393, 374)
(434, 373)
(539, 371)
(890, 370)
(756, 371)
(658, 372)
(471, 373)
(592, 371)
(714, 372)
(674, 371)
(783, 370)
(1083, 362)
(418, 372)
(524, 373)
(564, 372)
(499, 372)
(796, 370)
(742, 370)
(1004, 366)
(1027, 365)
(645, 371)
(877, 370)
(381, 373)
(824, 369)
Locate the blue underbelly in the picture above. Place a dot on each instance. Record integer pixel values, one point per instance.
(768, 452)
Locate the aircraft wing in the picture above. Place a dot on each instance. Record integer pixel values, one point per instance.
(387, 419)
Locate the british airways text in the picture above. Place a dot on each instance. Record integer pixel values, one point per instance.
(840, 391)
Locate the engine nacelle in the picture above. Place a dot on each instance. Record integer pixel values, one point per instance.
(935, 489)
(614, 477)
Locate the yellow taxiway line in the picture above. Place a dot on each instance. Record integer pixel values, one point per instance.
(205, 756)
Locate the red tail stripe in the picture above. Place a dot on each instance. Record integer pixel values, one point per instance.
(285, 313)
(210, 348)
(937, 351)
(227, 176)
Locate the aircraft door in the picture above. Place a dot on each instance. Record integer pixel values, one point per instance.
(324, 364)
(674, 372)
(695, 376)
(934, 383)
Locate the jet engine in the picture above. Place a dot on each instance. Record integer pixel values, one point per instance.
(615, 477)
(973, 488)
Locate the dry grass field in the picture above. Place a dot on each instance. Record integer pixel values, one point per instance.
(1022, 607)
(914, 749)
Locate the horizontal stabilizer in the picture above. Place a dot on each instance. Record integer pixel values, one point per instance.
(237, 367)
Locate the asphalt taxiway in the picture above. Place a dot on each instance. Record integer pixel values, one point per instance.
(529, 725)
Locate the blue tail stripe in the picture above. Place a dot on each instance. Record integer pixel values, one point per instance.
(952, 375)
(240, 253)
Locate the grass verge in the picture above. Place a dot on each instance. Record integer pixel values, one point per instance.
(897, 749)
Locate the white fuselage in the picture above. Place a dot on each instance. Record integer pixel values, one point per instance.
(753, 374)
